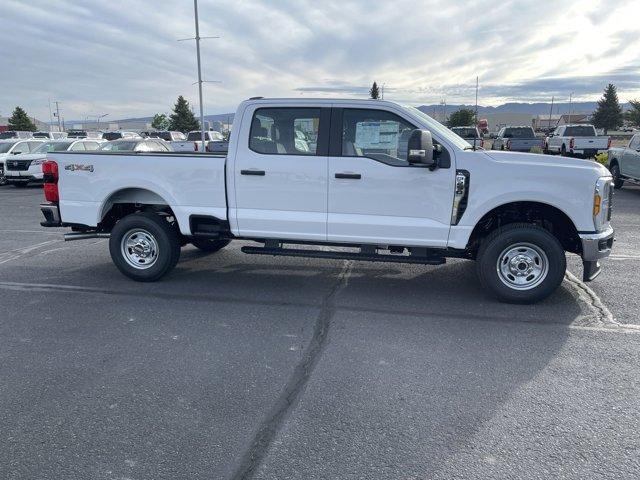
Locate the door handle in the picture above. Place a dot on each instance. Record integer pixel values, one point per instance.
(252, 172)
(352, 176)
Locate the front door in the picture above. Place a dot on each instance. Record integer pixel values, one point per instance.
(631, 160)
(375, 195)
(280, 175)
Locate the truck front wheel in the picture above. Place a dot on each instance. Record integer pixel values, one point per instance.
(521, 263)
(144, 246)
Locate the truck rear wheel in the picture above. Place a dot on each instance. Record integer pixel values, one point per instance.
(144, 246)
(521, 263)
(209, 245)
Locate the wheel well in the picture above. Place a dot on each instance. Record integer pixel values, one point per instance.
(544, 215)
(131, 200)
(614, 161)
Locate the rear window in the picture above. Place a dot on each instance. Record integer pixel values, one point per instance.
(119, 147)
(581, 131)
(519, 132)
(111, 135)
(466, 132)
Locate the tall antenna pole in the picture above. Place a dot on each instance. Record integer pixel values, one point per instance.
(50, 115)
(195, 8)
(476, 123)
(550, 112)
(570, 107)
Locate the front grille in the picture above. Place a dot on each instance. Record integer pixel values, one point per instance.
(18, 165)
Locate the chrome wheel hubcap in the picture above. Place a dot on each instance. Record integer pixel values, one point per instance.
(139, 248)
(522, 266)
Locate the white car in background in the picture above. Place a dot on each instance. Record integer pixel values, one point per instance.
(26, 168)
(14, 146)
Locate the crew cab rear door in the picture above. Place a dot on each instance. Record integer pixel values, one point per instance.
(375, 195)
(280, 172)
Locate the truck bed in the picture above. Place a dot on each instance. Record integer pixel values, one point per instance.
(91, 182)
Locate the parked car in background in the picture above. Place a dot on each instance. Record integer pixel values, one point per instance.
(50, 135)
(7, 134)
(137, 145)
(26, 168)
(9, 148)
(168, 136)
(624, 162)
(577, 140)
(517, 139)
(118, 135)
(471, 134)
(193, 143)
(360, 186)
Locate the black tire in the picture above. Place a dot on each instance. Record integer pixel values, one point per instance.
(3, 180)
(615, 173)
(209, 245)
(563, 151)
(147, 226)
(493, 255)
(20, 184)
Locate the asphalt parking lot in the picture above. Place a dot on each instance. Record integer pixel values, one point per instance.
(241, 366)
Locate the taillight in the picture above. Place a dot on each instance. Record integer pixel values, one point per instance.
(50, 177)
(609, 143)
(572, 143)
(195, 146)
(508, 144)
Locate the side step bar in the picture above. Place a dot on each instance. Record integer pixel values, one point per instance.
(369, 256)
(84, 235)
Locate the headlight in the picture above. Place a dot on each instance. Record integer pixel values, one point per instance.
(39, 161)
(602, 203)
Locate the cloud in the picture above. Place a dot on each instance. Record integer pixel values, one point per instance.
(123, 58)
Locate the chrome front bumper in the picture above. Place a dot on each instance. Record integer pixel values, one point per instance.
(594, 247)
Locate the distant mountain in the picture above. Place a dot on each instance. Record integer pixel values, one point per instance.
(527, 108)
(513, 107)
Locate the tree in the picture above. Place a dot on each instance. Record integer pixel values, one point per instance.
(182, 119)
(20, 121)
(160, 121)
(375, 91)
(608, 115)
(633, 115)
(462, 118)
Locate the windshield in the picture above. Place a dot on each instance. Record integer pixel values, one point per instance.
(52, 147)
(519, 132)
(466, 132)
(5, 147)
(119, 146)
(438, 128)
(580, 131)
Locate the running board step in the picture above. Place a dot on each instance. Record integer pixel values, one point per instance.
(366, 257)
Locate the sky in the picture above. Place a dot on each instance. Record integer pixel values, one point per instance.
(123, 58)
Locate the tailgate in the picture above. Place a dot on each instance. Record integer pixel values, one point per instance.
(591, 143)
(525, 143)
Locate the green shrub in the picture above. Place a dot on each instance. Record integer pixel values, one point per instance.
(602, 158)
(536, 150)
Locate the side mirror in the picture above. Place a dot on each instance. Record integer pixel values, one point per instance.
(420, 148)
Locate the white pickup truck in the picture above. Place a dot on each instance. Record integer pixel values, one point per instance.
(624, 163)
(384, 180)
(577, 140)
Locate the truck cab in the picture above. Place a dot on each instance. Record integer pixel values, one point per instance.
(382, 181)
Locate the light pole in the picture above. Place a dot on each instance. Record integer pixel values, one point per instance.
(570, 107)
(197, 38)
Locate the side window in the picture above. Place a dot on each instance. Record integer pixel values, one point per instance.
(285, 131)
(142, 147)
(374, 133)
(634, 143)
(22, 147)
(91, 145)
(77, 147)
(34, 145)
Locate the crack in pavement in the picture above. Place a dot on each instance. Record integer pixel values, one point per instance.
(294, 387)
(604, 319)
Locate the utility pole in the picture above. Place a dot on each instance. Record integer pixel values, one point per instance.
(58, 115)
(550, 112)
(570, 107)
(476, 123)
(197, 38)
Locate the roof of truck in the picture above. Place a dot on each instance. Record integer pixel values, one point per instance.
(320, 100)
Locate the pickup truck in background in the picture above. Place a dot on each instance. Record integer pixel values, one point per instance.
(516, 139)
(193, 143)
(380, 181)
(576, 140)
(471, 134)
(624, 163)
